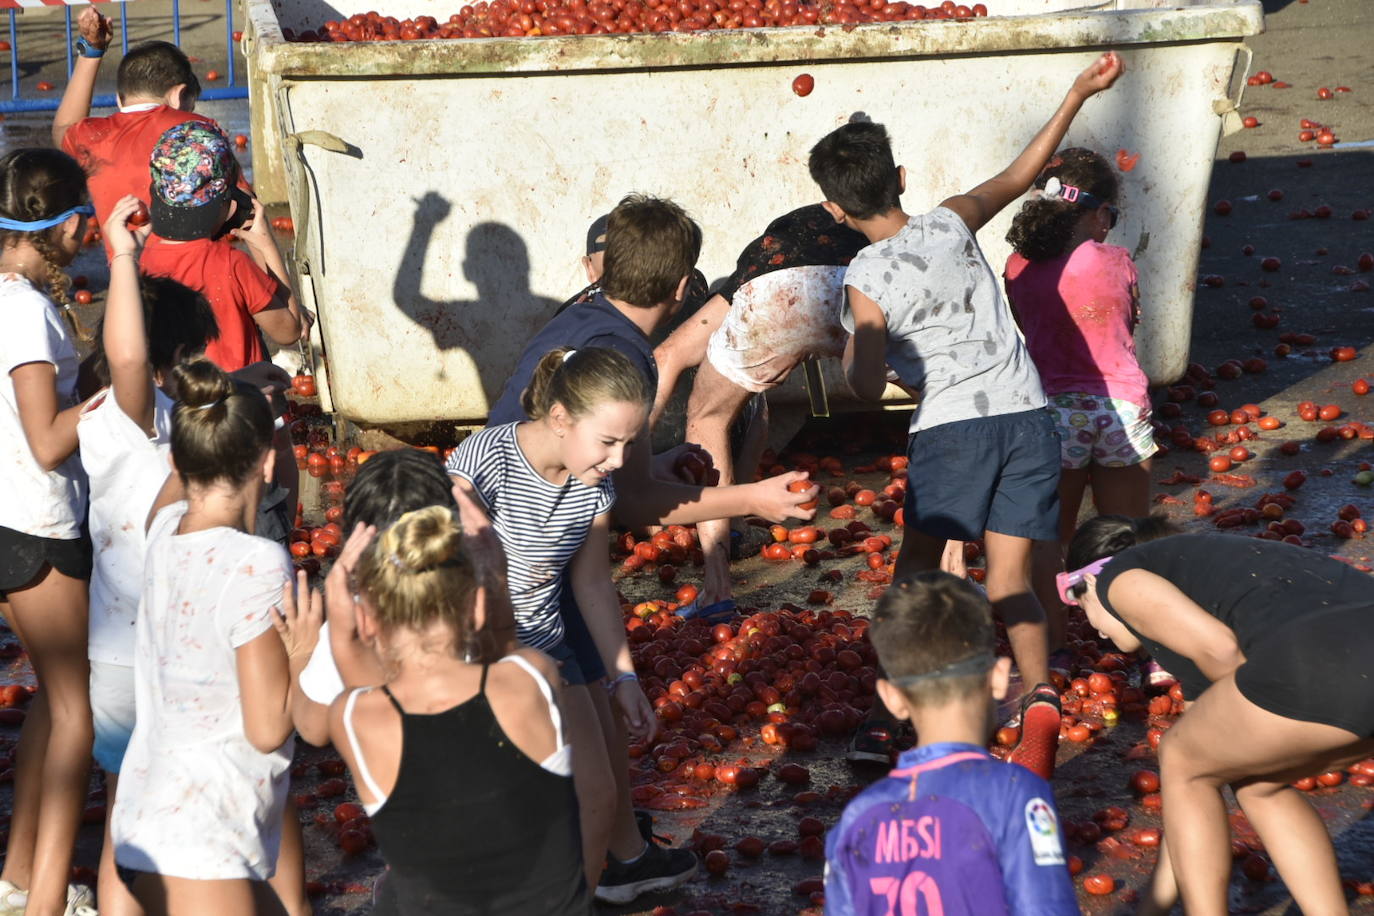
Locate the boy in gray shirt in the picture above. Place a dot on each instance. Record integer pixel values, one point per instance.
(983, 453)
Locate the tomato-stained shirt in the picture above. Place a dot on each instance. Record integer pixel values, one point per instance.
(950, 830)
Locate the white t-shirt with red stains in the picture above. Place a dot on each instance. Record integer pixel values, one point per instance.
(45, 504)
(196, 800)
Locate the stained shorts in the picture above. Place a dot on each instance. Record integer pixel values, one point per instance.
(1109, 432)
(997, 474)
(775, 321)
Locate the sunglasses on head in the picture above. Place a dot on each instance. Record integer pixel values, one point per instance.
(1057, 190)
(1067, 581)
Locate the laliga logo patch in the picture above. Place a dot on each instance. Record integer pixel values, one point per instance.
(1043, 828)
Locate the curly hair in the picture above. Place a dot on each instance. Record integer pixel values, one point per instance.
(1041, 229)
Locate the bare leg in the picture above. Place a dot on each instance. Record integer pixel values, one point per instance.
(165, 896)
(714, 404)
(112, 893)
(1072, 484)
(28, 781)
(51, 618)
(1013, 600)
(1161, 896)
(919, 552)
(289, 881)
(592, 777)
(626, 843)
(1120, 491)
(685, 349)
(1225, 739)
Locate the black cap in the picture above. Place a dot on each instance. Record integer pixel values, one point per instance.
(596, 234)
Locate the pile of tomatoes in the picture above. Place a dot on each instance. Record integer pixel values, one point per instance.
(530, 18)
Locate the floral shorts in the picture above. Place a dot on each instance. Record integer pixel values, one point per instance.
(1108, 432)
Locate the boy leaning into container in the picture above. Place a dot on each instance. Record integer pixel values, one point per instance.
(951, 829)
(984, 454)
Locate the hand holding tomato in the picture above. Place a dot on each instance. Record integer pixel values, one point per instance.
(1100, 75)
(122, 239)
(93, 26)
(298, 620)
(638, 711)
(774, 499)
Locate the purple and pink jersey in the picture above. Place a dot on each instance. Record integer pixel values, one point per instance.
(952, 831)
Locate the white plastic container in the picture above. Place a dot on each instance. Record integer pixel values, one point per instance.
(441, 190)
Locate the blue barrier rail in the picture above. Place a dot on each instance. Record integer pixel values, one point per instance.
(49, 102)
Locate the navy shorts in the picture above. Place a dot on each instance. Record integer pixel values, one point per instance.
(579, 661)
(997, 474)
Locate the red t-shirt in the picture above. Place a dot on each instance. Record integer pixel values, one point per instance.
(236, 287)
(115, 151)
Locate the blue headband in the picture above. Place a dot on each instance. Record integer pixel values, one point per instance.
(41, 224)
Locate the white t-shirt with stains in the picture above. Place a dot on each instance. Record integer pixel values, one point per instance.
(196, 800)
(127, 468)
(950, 332)
(45, 504)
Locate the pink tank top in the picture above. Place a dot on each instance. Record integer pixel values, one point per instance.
(1078, 312)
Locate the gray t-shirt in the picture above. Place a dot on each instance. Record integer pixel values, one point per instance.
(950, 332)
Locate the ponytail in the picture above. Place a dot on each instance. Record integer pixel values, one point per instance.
(582, 380)
(220, 427)
(1108, 535)
(37, 185)
(1042, 228)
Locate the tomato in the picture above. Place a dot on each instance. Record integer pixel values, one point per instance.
(1240, 453)
(1331, 778)
(1251, 122)
(1268, 423)
(1218, 418)
(83, 297)
(801, 486)
(45, 86)
(1144, 782)
(717, 861)
(1323, 93)
(1294, 480)
(348, 811)
(803, 84)
(1329, 412)
(1075, 865)
(1360, 386)
(212, 75)
(1148, 837)
(1219, 464)
(1078, 734)
(1126, 161)
(241, 141)
(751, 847)
(139, 217)
(686, 594)
(1099, 885)
(1007, 736)
(1255, 867)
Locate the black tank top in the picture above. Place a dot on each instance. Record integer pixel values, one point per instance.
(473, 826)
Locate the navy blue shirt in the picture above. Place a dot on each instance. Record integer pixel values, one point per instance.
(594, 323)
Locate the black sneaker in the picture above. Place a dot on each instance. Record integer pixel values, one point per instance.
(872, 743)
(658, 869)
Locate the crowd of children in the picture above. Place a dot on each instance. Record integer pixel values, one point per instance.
(467, 655)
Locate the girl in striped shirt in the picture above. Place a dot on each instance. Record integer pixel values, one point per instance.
(546, 484)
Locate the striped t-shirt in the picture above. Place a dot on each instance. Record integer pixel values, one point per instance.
(541, 525)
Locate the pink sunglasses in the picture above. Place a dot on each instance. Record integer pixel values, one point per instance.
(1065, 581)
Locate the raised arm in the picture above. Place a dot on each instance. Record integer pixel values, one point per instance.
(988, 199)
(125, 337)
(76, 99)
